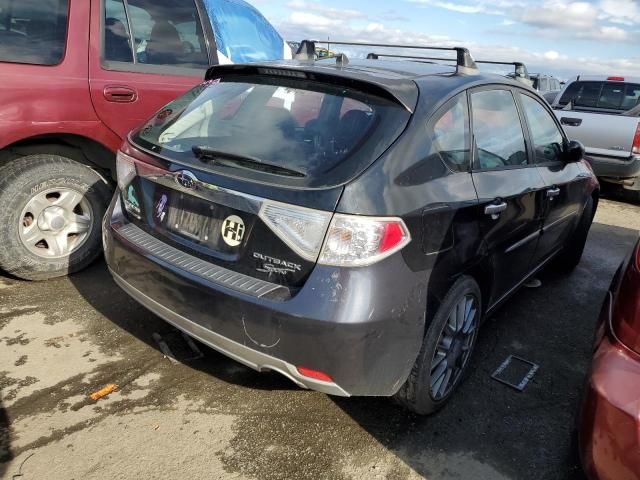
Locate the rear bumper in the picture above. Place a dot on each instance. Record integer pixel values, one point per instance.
(609, 434)
(616, 168)
(352, 324)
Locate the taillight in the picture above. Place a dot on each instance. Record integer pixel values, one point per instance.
(302, 229)
(636, 141)
(349, 240)
(626, 311)
(358, 241)
(125, 170)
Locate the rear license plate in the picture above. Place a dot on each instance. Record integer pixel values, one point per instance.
(190, 217)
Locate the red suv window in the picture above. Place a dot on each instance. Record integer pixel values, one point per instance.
(161, 35)
(33, 31)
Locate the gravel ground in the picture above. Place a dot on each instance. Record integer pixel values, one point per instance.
(210, 417)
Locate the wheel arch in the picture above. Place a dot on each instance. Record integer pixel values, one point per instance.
(82, 149)
(481, 272)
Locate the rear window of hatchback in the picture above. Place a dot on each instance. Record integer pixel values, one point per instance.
(293, 131)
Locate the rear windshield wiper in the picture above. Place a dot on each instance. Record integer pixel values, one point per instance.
(206, 154)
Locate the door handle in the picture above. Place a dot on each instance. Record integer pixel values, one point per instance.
(120, 94)
(571, 122)
(553, 192)
(495, 209)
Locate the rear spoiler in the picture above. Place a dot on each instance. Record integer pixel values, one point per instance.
(402, 92)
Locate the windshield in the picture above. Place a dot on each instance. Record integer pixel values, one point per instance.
(242, 33)
(296, 127)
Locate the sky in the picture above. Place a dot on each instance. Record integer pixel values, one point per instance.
(557, 37)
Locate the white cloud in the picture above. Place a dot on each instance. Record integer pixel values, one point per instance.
(558, 14)
(563, 17)
(304, 19)
(551, 55)
(305, 23)
(335, 13)
(621, 11)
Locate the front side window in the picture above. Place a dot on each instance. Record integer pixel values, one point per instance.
(290, 128)
(33, 31)
(242, 33)
(545, 135)
(497, 130)
(162, 35)
(450, 135)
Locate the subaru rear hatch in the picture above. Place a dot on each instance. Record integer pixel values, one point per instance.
(246, 170)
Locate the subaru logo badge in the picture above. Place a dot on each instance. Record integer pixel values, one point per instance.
(186, 179)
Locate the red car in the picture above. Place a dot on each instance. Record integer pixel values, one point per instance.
(75, 77)
(609, 436)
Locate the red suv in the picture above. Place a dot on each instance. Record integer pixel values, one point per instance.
(77, 76)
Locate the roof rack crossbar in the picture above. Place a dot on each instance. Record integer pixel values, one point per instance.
(520, 68)
(464, 60)
(375, 56)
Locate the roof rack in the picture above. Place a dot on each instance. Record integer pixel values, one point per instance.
(464, 60)
(520, 73)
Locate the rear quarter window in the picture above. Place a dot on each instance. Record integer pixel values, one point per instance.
(33, 31)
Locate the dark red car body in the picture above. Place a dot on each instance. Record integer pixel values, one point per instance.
(609, 435)
(72, 104)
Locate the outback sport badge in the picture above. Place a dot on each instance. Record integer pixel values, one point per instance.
(186, 179)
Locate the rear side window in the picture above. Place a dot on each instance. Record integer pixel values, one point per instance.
(450, 134)
(162, 35)
(294, 129)
(546, 137)
(33, 31)
(619, 96)
(497, 130)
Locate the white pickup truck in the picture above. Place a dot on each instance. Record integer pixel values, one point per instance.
(604, 114)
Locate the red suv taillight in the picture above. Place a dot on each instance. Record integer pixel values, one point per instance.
(626, 311)
(636, 142)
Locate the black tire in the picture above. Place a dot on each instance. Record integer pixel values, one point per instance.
(571, 254)
(21, 181)
(416, 393)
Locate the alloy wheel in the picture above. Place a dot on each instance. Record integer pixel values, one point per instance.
(454, 347)
(56, 222)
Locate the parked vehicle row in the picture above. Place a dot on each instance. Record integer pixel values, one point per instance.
(77, 76)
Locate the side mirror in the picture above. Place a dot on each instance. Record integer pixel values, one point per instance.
(574, 152)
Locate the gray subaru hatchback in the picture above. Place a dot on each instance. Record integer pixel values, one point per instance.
(347, 224)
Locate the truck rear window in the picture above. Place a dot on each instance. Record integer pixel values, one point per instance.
(620, 96)
(290, 129)
(33, 31)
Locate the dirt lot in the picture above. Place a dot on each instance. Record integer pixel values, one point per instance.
(213, 418)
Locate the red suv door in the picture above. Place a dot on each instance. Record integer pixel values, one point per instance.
(143, 55)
